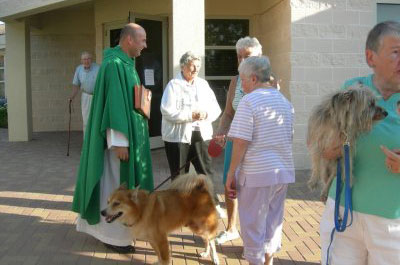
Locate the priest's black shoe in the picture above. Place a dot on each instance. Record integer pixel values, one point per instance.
(122, 250)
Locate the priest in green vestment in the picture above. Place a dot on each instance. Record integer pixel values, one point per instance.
(116, 147)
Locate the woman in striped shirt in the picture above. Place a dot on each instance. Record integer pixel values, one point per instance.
(245, 47)
(262, 160)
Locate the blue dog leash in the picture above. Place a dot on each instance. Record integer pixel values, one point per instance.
(341, 224)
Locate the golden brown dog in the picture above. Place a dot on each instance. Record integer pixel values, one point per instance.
(152, 216)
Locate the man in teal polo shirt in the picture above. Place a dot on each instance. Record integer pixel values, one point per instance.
(85, 79)
(374, 235)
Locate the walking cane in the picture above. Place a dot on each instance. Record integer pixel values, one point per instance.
(69, 125)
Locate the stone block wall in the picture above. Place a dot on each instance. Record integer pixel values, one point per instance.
(56, 47)
(327, 40)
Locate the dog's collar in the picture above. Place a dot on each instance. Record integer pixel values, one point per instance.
(346, 136)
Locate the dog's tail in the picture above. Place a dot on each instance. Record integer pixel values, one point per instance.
(190, 182)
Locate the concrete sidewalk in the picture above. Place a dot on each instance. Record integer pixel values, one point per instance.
(37, 227)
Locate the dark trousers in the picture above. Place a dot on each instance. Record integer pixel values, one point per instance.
(178, 154)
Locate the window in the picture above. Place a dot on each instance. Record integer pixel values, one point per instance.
(388, 12)
(2, 86)
(220, 54)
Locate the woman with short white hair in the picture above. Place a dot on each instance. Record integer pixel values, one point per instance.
(262, 133)
(188, 108)
(245, 47)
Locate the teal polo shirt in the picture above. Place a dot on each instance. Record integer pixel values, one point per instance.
(376, 190)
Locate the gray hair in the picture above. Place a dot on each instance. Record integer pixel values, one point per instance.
(188, 57)
(249, 43)
(381, 30)
(86, 53)
(258, 66)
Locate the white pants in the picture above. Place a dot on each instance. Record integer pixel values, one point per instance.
(261, 217)
(370, 240)
(86, 101)
(113, 233)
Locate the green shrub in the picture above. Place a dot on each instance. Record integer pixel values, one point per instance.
(3, 117)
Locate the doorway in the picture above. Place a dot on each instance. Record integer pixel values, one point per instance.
(151, 65)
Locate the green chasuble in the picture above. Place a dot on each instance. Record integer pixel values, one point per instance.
(112, 107)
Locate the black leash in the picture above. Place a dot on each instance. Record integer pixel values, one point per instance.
(177, 173)
(69, 125)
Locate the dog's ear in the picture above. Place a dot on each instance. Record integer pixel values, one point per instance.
(348, 96)
(334, 100)
(134, 195)
(123, 186)
(342, 97)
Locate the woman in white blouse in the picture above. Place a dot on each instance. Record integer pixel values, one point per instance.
(188, 108)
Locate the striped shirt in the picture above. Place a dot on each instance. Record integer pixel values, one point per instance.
(265, 119)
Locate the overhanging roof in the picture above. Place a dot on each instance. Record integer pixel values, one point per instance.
(11, 9)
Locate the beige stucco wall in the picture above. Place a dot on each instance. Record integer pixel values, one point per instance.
(232, 8)
(328, 38)
(18, 80)
(272, 28)
(11, 9)
(184, 40)
(56, 46)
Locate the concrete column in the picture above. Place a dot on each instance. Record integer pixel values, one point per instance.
(18, 81)
(187, 30)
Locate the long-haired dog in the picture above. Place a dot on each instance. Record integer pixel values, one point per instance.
(152, 216)
(341, 117)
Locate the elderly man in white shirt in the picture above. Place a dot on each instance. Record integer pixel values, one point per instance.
(188, 108)
(85, 80)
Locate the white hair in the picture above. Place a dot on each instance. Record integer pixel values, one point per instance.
(85, 53)
(249, 43)
(258, 66)
(188, 57)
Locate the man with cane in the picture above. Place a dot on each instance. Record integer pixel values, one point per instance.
(84, 79)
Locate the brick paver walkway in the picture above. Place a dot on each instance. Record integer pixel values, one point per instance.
(37, 227)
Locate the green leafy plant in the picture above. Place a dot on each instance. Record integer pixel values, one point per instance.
(3, 117)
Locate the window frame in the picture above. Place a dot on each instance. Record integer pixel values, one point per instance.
(225, 47)
(387, 3)
(226, 78)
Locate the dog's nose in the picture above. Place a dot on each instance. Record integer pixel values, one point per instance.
(385, 113)
(103, 213)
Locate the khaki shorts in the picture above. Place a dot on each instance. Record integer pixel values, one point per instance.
(370, 240)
